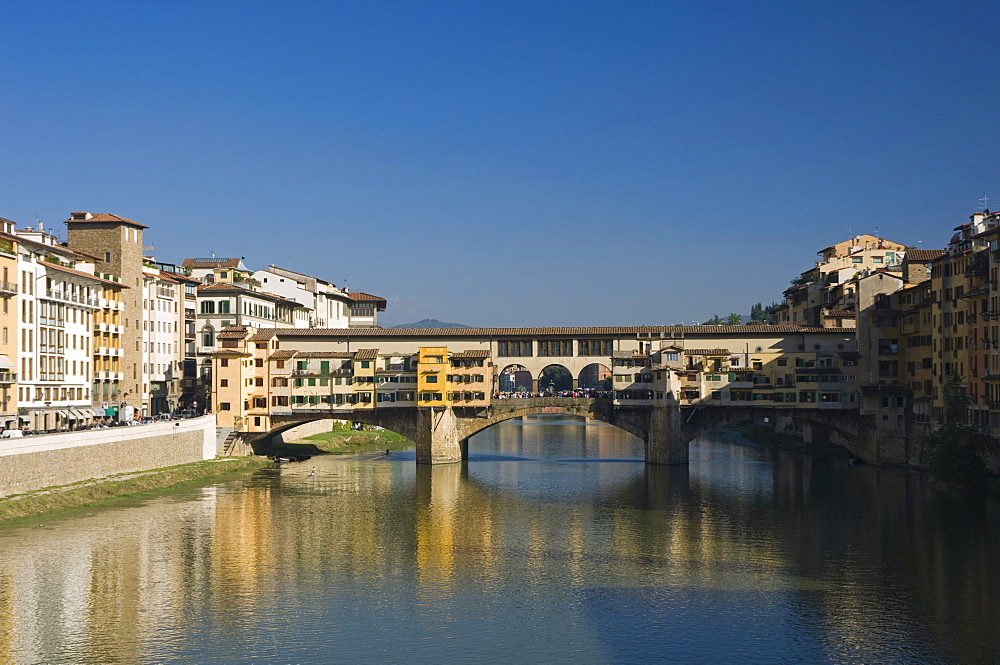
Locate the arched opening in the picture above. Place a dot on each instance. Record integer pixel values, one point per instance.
(595, 377)
(514, 379)
(555, 379)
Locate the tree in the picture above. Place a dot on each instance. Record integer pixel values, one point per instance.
(952, 450)
(734, 319)
(714, 321)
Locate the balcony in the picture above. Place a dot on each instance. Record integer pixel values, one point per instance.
(69, 297)
(7, 289)
(8, 377)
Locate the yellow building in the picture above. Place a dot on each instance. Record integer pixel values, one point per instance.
(432, 374)
(8, 325)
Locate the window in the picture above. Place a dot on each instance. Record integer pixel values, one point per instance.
(223, 383)
(514, 348)
(594, 347)
(224, 406)
(432, 378)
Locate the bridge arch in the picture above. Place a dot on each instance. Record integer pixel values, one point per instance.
(514, 378)
(635, 422)
(595, 376)
(813, 425)
(555, 378)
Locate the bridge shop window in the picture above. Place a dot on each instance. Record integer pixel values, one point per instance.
(514, 347)
(555, 347)
(594, 347)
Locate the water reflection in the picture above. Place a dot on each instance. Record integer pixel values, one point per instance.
(554, 542)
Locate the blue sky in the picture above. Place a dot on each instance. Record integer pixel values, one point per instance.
(507, 164)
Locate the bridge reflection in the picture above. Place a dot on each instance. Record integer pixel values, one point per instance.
(821, 534)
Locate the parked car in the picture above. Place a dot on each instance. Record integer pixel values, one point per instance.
(11, 434)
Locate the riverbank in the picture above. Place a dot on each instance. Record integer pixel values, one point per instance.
(105, 489)
(343, 442)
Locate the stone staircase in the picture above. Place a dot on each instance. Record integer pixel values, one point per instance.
(230, 443)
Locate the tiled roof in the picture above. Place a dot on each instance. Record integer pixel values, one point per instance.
(976, 291)
(211, 263)
(366, 354)
(231, 335)
(841, 314)
(325, 354)
(473, 353)
(81, 274)
(263, 336)
(104, 217)
(180, 278)
(629, 354)
(282, 354)
(631, 331)
(922, 255)
(364, 297)
(707, 352)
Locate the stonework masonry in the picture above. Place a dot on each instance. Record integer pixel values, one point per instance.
(119, 242)
(32, 463)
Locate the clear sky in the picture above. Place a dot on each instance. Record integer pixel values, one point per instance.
(507, 163)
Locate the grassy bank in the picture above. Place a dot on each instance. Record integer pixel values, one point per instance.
(344, 441)
(96, 491)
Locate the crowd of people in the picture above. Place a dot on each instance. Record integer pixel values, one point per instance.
(580, 392)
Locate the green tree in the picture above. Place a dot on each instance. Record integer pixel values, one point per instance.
(952, 450)
(734, 319)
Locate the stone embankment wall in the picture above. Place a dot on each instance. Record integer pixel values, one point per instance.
(33, 462)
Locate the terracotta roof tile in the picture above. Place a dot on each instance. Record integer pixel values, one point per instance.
(366, 354)
(361, 333)
(282, 354)
(104, 217)
(81, 274)
(707, 352)
(472, 353)
(326, 354)
(922, 255)
(211, 263)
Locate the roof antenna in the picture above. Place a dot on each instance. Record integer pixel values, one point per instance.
(985, 199)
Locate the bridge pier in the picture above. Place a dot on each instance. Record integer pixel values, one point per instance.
(663, 440)
(438, 436)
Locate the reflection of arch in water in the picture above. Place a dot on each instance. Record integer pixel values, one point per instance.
(555, 378)
(514, 378)
(595, 376)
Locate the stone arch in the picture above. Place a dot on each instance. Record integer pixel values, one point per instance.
(596, 376)
(811, 424)
(635, 423)
(400, 421)
(207, 333)
(555, 378)
(514, 378)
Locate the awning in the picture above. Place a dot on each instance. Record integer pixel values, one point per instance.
(64, 414)
(98, 412)
(5, 362)
(80, 415)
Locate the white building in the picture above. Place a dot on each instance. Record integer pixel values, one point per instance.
(58, 296)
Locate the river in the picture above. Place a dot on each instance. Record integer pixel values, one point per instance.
(554, 543)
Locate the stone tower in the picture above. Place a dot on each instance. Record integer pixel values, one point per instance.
(117, 242)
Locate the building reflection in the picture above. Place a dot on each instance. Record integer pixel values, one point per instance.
(858, 551)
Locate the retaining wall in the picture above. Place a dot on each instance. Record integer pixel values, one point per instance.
(33, 462)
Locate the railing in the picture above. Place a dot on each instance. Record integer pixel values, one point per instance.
(8, 377)
(8, 287)
(69, 297)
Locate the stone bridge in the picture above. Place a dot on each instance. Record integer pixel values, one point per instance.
(442, 434)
